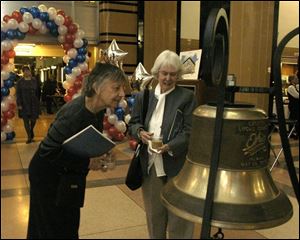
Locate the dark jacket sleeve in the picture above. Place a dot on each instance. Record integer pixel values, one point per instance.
(136, 120)
(67, 123)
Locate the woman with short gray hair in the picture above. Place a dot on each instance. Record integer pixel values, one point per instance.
(54, 208)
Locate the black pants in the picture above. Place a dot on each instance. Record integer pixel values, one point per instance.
(49, 102)
(29, 126)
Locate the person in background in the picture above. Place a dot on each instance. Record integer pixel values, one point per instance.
(293, 95)
(58, 177)
(49, 89)
(170, 116)
(27, 91)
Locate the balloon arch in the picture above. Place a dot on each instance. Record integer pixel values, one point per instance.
(43, 20)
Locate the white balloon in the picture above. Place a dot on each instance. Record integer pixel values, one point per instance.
(12, 24)
(42, 8)
(121, 126)
(9, 67)
(127, 118)
(43, 29)
(72, 53)
(59, 20)
(123, 104)
(78, 43)
(23, 27)
(83, 66)
(87, 58)
(4, 27)
(108, 111)
(52, 13)
(66, 59)
(10, 99)
(62, 30)
(37, 23)
(27, 17)
(4, 75)
(3, 136)
(14, 42)
(112, 119)
(8, 128)
(70, 78)
(66, 85)
(2, 83)
(4, 106)
(76, 71)
(80, 34)
(61, 38)
(6, 45)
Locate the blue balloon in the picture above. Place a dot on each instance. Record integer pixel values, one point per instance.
(11, 34)
(4, 91)
(67, 70)
(130, 101)
(80, 58)
(24, 10)
(54, 32)
(51, 24)
(120, 113)
(3, 36)
(20, 35)
(82, 50)
(72, 63)
(12, 76)
(8, 83)
(35, 12)
(44, 16)
(10, 135)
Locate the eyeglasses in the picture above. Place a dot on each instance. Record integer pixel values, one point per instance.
(165, 74)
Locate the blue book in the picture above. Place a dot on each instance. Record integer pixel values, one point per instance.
(89, 142)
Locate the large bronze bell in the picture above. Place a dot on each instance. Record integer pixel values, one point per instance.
(245, 195)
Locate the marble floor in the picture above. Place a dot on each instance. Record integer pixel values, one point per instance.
(111, 210)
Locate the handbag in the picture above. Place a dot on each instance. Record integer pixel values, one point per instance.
(134, 177)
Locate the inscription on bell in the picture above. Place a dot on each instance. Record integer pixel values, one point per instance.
(255, 149)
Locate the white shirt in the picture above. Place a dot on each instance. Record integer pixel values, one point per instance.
(294, 90)
(155, 128)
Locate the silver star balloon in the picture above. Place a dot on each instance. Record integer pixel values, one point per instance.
(115, 54)
(141, 79)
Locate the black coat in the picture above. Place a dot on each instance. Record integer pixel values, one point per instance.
(54, 212)
(28, 98)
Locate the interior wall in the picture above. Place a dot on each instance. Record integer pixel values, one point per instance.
(251, 33)
(159, 29)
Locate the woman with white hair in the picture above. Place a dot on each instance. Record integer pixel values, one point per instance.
(169, 115)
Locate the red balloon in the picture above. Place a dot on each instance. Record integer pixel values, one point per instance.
(72, 28)
(69, 38)
(4, 59)
(11, 53)
(71, 90)
(106, 125)
(31, 29)
(67, 46)
(112, 131)
(80, 77)
(3, 121)
(68, 21)
(8, 114)
(132, 144)
(61, 12)
(67, 98)
(77, 84)
(6, 18)
(17, 15)
(12, 106)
